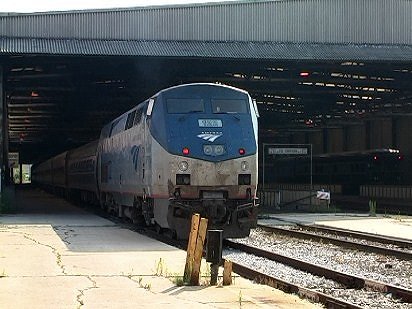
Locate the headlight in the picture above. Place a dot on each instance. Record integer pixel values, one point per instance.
(182, 179)
(208, 150)
(183, 165)
(244, 165)
(244, 179)
(214, 150)
(186, 180)
(219, 150)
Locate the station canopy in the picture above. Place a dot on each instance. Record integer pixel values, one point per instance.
(309, 64)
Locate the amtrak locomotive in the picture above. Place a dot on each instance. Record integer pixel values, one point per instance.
(188, 149)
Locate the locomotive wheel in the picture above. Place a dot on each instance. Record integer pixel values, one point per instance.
(112, 207)
(137, 216)
(147, 211)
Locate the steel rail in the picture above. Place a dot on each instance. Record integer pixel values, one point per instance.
(340, 242)
(400, 242)
(258, 277)
(348, 280)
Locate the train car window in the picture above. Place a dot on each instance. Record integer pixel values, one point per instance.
(185, 106)
(138, 116)
(130, 120)
(229, 106)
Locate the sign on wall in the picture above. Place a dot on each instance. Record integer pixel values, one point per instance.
(287, 151)
(13, 159)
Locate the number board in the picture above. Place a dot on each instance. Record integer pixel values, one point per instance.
(210, 123)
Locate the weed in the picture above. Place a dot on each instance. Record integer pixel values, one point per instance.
(186, 277)
(240, 299)
(159, 267)
(3, 274)
(398, 217)
(372, 208)
(207, 272)
(148, 286)
(178, 280)
(129, 275)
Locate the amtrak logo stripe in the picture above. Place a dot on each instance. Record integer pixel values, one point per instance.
(209, 136)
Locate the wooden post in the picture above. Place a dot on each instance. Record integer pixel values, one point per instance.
(227, 273)
(201, 236)
(191, 247)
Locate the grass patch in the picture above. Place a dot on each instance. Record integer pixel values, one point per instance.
(399, 217)
(161, 270)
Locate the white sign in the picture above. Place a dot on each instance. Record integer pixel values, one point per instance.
(13, 159)
(287, 151)
(323, 195)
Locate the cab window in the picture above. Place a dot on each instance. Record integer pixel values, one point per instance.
(229, 106)
(185, 106)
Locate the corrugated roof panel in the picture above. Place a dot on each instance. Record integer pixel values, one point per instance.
(236, 50)
(299, 21)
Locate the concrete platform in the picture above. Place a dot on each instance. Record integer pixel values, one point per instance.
(388, 225)
(54, 255)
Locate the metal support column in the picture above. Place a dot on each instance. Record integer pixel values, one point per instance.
(6, 178)
(2, 130)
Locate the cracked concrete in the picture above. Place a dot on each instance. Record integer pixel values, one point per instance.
(79, 297)
(54, 255)
(54, 251)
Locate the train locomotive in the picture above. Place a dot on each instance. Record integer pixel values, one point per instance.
(188, 149)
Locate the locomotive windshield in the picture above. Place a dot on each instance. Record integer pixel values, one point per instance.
(185, 106)
(229, 106)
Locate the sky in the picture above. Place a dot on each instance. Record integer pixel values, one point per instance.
(29, 6)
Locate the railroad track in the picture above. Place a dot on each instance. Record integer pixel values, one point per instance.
(399, 242)
(400, 248)
(348, 262)
(348, 280)
(258, 277)
(322, 296)
(288, 287)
